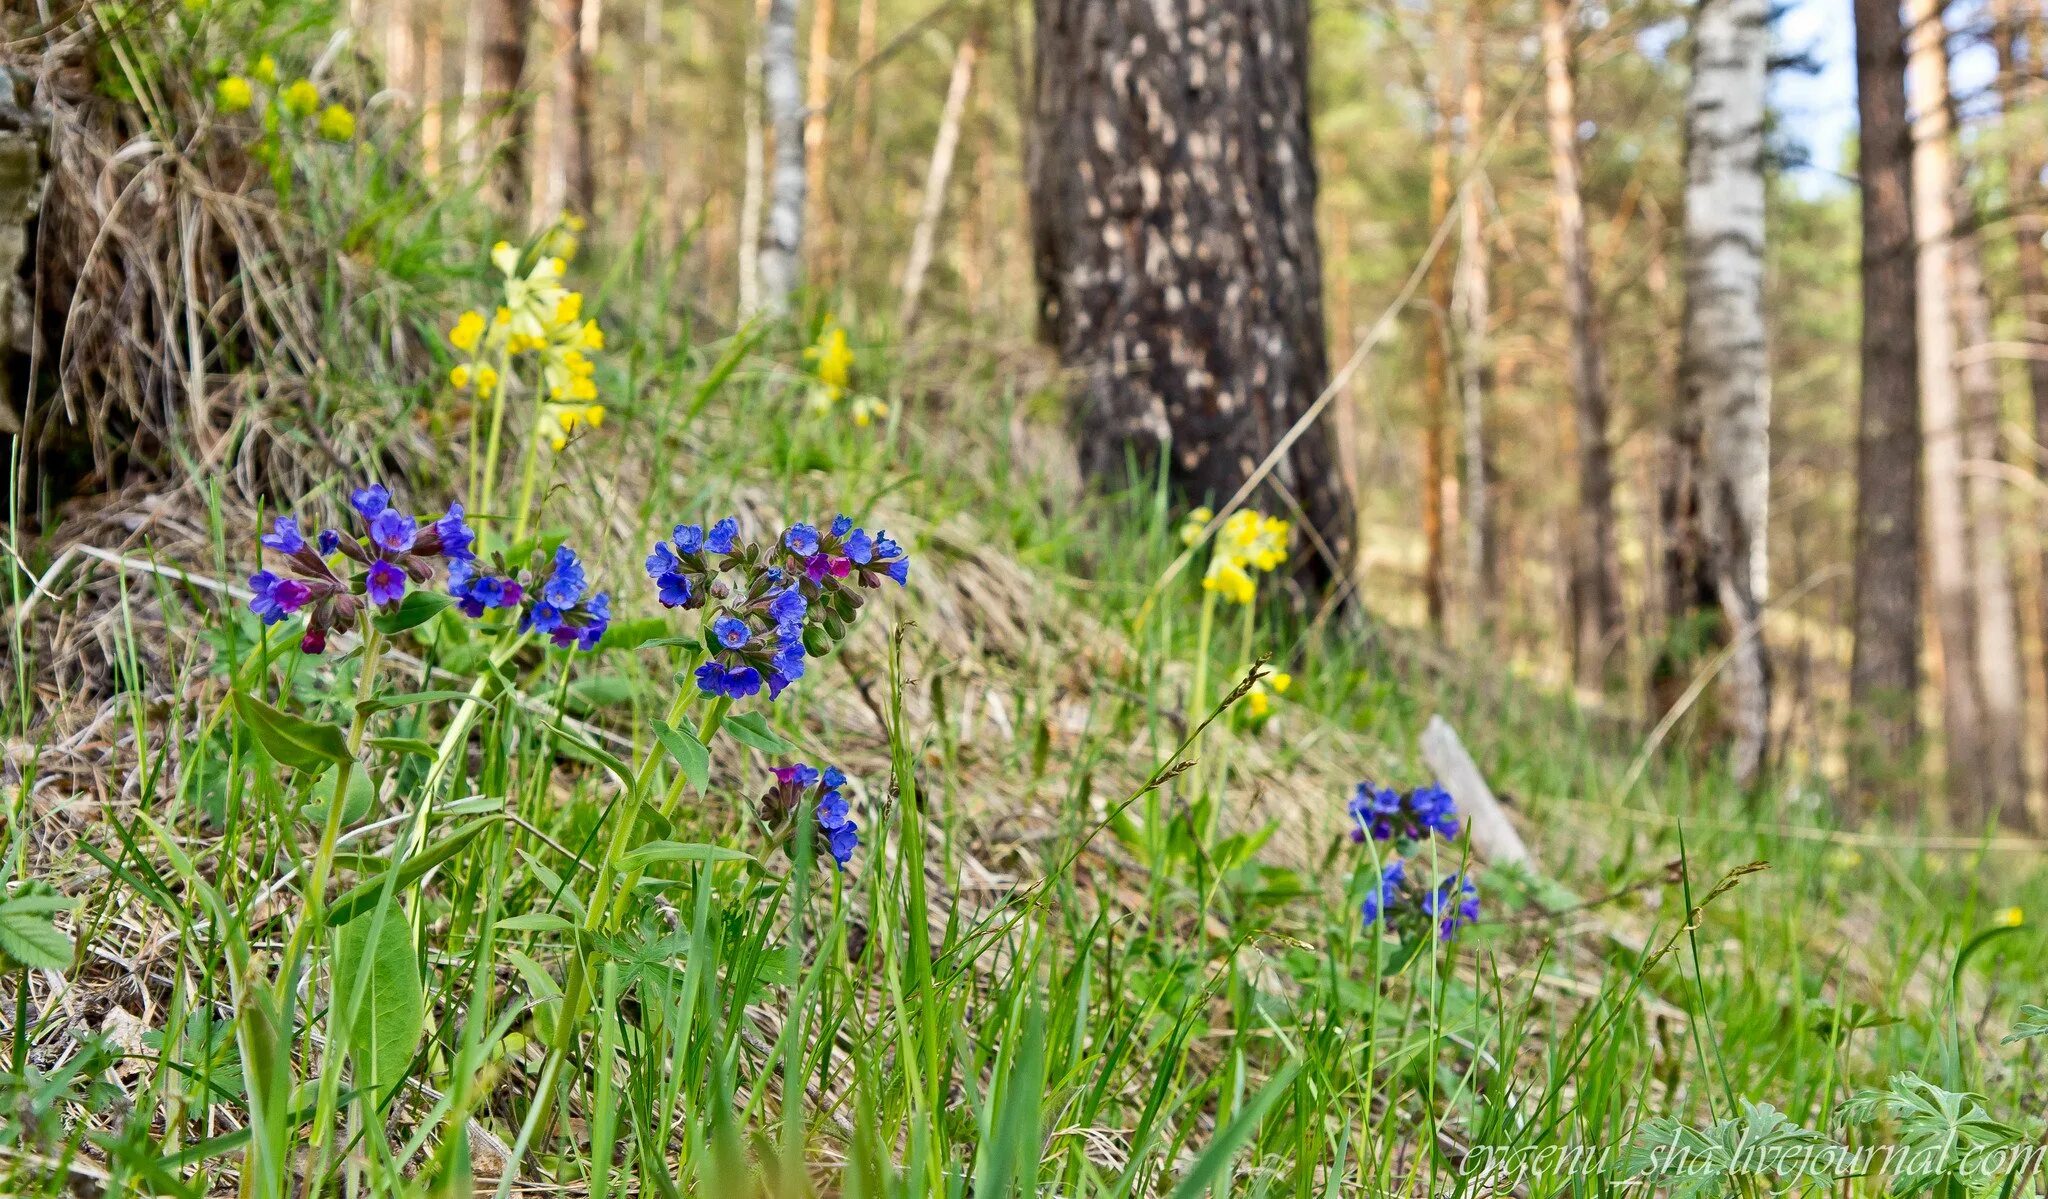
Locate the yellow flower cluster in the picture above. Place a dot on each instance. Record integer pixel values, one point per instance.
(1258, 702)
(832, 359)
(298, 100)
(1249, 543)
(538, 316)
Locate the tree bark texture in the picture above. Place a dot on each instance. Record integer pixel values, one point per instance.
(1884, 675)
(782, 90)
(1595, 576)
(500, 108)
(817, 91)
(1473, 303)
(1436, 333)
(944, 148)
(754, 183)
(1948, 551)
(1724, 372)
(1173, 195)
(568, 184)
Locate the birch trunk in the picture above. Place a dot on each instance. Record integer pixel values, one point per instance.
(1948, 554)
(1474, 310)
(782, 91)
(1724, 374)
(754, 185)
(1997, 664)
(1436, 368)
(1595, 578)
(1884, 673)
(944, 149)
(1173, 196)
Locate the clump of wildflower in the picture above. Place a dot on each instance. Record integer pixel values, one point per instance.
(560, 602)
(831, 360)
(558, 422)
(300, 98)
(395, 552)
(800, 783)
(1258, 702)
(1404, 904)
(682, 568)
(755, 637)
(264, 69)
(1386, 814)
(1191, 528)
(233, 94)
(336, 124)
(1249, 543)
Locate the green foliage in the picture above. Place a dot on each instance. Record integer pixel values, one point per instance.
(1761, 1147)
(377, 982)
(29, 936)
(1944, 1137)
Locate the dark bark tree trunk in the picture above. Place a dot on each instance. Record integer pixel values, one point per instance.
(1173, 196)
(1884, 676)
(503, 108)
(570, 185)
(1436, 337)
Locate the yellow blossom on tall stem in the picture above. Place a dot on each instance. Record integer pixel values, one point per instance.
(831, 360)
(234, 94)
(300, 98)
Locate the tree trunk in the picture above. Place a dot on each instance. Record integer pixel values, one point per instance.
(498, 112)
(644, 140)
(402, 51)
(1948, 553)
(1173, 195)
(568, 184)
(817, 90)
(433, 90)
(1884, 673)
(943, 150)
(1473, 304)
(1724, 374)
(866, 34)
(1595, 578)
(782, 90)
(2000, 684)
(1436, 367)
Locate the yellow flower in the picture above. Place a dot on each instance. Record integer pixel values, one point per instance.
(558, 421)
(1281, 681)
(1256, 702)
(569, 309)
(590, 337)
(534, 302)
(832, 359)
(468, 332)
(1228, 578)
(563, 242)
(301, 98)
(486, 381)
(2011, 918)
(594, 415)
(1191, 528)
(868, 409)
(822, 399)
(337, 124)
(233, 94)
(265, 69)
(460, 377)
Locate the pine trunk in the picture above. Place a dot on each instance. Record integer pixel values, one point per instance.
(817, 92)
(1724, 374)
(1595, 577)
(1475, 360)
(568, 184)
(500, 110)
(1948, 530)
(1173, 217)
(1884, 675)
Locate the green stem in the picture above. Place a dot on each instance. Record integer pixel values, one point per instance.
(490, 478)
(527, 471)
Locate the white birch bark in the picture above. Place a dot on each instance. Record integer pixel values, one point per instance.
(1473, 303)
(1723, 370)
(944, 149)
(782, 91)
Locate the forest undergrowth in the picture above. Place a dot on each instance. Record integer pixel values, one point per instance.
(526, 736)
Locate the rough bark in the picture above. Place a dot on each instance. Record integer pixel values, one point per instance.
(782, 91)
(568, 184)
(944, 148)
(1597, 624)
(498, 114)
(2000, 684)
(866, 35)
(817, 90)
(1884, 674)
(1474, 308)
(1436, 366)
(433, 90)
(1724, 374)
(21, 196)
(1948, 553)
(754, 183)
(1173, 210)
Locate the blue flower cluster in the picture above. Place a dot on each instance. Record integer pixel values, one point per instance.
(563, 607)
(1397, 899)
(394, 552)
(770, 608)
(1385, 814)
(837, 834)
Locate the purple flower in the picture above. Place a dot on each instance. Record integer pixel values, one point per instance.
(315, 640)
(1387, 893)
(276, 598)
(393, 532)
(1453, 904)
(797, 774)
(802, 540)
(385, 583)
(286, 538)
(369, 501)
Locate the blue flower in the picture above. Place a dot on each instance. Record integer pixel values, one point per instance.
(661, 560)
(597, 617)
(842, 524)
(840, 842)
(1386, 894)
(393, 531)
(724, 536)
(276, 598)
(831, 810)
(787, 609)
(689, 539)
(674, 590)
(369, 501)
(715, 678)
(731, 633)
(458, 540)
(890, 559)
(329, 542)
(801, 539)
(860, 547)
(1435, 809)
(476, 592)
(834, 778)
(801, 775)
(385, 583)
(1385, 814)
(286, 538)
(1453, 904)
(565, 586)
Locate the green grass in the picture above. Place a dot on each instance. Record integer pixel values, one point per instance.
(1091, 945)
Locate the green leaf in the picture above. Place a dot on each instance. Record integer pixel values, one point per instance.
(356, 803)
(676, 851)
(580, 748)
(300, 744)
(363, 896)
(29, 936)
(638, 634)
(751, 728)
(417, 608)
(535, 922)
(688, 752)
(377, 980)
(603, 691)
(385, 703)
(2033, 1023)
(405, 745)
(1201, 1177)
